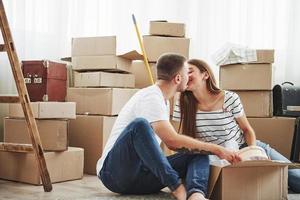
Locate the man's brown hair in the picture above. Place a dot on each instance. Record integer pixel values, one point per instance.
(168, 65)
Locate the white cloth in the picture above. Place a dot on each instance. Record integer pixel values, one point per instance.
(233, 53)
(148, 103)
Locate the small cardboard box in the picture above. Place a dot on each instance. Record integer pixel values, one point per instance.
(155, 46)
(100, 101)
(104, 79)
(94, 46)
(22, 167)
(246, 77)
(53, 133)
(278, 132)
(257, 103)
(249, 180)
(141, 75)
(165, 28)
(46, 110)
(91, 134)
(104, 62)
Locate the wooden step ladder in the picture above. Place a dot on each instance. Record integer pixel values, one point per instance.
(23, 98)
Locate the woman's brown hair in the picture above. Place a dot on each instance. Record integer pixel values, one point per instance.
(188, 102)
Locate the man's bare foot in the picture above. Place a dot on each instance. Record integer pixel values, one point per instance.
(197, 196)
(180, 192)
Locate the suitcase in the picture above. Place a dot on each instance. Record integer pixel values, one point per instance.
(286, 100)
(45, 80)
(295, 155)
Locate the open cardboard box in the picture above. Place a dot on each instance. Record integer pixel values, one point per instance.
(100, 53)
(249, 180)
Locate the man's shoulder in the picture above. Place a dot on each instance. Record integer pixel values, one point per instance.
(150, 92)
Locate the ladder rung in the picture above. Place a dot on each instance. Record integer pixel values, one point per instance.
(2, 47)
(12, 147)
(9, 99)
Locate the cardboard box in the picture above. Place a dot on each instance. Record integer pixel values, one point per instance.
(53, 133)
(91, 134)
(263, 56)
(22, 167)
(155, 46)
(100, 101)
(100, 53)
(104, 62)
(257, 103)
(141, 75)
(94, 46)
(46, 110)
(104, 79)
(278, 132)
(246, 77)
(249, 180)
(165, 28)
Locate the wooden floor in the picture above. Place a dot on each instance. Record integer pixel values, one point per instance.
(87, 188)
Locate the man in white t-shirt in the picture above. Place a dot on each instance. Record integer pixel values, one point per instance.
(132, 161)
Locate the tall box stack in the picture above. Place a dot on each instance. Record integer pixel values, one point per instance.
(52, 120)
(253, 82)
(164, 37)
(103, 83)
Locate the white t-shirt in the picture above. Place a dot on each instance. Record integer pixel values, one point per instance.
(148, 103)
(220, 126)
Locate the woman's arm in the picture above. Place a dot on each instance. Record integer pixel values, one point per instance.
(247, 130)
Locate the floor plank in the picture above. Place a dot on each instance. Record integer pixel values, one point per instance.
(87, 188)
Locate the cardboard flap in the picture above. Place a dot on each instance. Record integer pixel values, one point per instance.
(214, 175)
(259, 163)
(132, 55)
(159, 20)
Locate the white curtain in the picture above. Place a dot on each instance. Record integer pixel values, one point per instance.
(43, 29)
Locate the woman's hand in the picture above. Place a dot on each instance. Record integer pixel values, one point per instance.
(226, 154)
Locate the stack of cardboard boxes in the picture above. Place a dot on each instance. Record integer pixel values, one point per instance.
(165, 37)
(253, 82)
(102, 85)
(52, 118)
(254, 179)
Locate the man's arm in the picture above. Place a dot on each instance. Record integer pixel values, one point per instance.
(173, 140)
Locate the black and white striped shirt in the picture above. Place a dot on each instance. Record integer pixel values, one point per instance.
(220, 126)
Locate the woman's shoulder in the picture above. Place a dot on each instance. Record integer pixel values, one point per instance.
(230, 94)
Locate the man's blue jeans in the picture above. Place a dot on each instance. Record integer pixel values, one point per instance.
(137, 165)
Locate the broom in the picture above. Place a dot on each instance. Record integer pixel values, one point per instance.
(143, 50)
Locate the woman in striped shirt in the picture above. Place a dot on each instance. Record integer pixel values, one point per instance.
(214, 115)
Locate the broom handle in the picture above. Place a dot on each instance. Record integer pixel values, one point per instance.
(143, 49)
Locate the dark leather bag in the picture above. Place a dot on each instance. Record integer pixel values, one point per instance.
(295, 155)
(45, 80)
(286, 100)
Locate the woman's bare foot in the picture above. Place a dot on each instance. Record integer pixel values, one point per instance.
(197, 196)
(180, 192)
